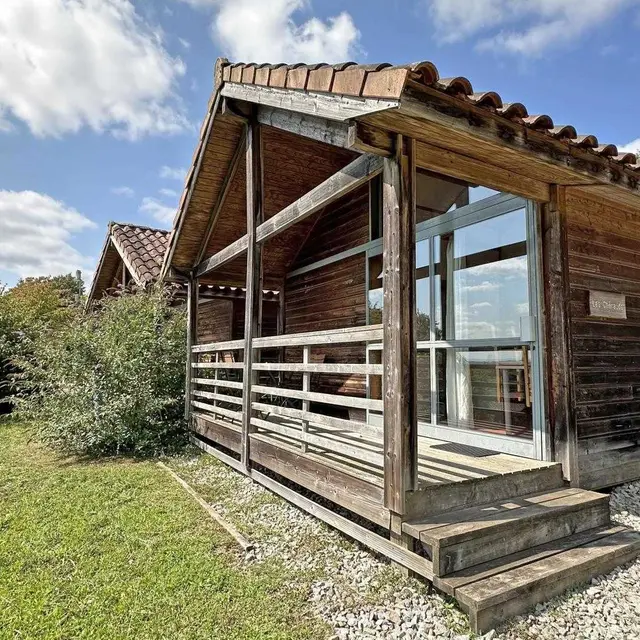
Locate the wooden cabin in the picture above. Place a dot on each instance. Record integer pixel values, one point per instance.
(455, 352)
(132, 258)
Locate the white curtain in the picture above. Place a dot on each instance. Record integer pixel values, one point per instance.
(459, 399)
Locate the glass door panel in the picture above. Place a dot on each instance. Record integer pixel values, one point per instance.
(477, 357)
(481, 351)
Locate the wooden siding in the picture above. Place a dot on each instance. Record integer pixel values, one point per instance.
(215, 321)
(220, 320)
(604, 255)
(333, 296)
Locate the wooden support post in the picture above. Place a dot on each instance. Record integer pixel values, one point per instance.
(398, 320)
(306, 386)
(253, 296)
(192, 339)
(281, 325)
(216, 389)
(558, 334)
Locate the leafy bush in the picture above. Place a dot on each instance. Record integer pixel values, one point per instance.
(33, 308)
(112, 381)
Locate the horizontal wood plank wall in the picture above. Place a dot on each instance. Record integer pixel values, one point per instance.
(215, 319)
(604, 255)
(333, 296)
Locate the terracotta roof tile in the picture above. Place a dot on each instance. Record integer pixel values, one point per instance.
(143, 249)
(388, 82)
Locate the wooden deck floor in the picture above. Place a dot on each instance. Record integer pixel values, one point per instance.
(439, 462)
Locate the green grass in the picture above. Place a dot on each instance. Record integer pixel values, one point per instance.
(116, 549)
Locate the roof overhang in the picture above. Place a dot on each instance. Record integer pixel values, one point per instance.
(363, 107)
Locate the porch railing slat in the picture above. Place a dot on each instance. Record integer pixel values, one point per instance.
(327, 398)
(227, 345)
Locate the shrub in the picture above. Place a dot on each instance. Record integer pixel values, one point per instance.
(33, 308)
(110, 382)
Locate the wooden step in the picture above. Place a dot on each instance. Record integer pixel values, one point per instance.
(442, 498)
(469, 537)
(496, 592)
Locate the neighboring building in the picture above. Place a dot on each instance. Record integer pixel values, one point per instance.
(132, 258)
(455, 356)
(132, 255)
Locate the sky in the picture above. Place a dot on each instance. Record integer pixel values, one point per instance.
(101, 101)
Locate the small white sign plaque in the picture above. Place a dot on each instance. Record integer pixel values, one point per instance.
(607, 305)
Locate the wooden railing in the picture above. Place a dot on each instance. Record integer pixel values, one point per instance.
(284, 411)
(279, 408)
(225, 361)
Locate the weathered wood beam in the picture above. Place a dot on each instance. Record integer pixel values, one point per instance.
(332, 107)
(355, 174)
(398, 313)
(443, 119)
(223, 256)
(253, 295)
(222, 196)
(345, 335)
(475, 171)
(558, 334)
(339, 134)
(192, 339)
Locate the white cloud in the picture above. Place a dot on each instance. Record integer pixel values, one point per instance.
(527, 28)
(127, 192)
(158, 210)
(630, 147)
(173, 173)
(480, 305)
(69, 64)
(185, 43)
(504, 269)
(35, 234)
(482, 286)
(169, 193)
(256, 30)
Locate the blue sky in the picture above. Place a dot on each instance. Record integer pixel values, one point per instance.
(101, 100)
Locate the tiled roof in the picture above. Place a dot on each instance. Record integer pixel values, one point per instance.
(142, 248)
(388, 81)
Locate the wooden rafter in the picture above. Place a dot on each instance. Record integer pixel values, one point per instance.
(354, 175)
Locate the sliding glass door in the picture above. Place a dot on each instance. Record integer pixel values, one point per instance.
(478, 358)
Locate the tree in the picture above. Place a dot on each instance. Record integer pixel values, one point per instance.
(35, 307)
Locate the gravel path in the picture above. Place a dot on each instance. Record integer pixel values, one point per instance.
(361, 595)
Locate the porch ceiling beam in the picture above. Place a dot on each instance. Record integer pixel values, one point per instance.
(355, 174)
(333, 107)
(227, 254)
(478, 172)
(437, 117)
(338, 134)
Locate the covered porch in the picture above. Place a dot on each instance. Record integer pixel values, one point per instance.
(401, 368)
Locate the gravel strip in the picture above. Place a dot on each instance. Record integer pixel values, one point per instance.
(361, 595)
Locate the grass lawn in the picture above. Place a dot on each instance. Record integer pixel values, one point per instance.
(116, 549)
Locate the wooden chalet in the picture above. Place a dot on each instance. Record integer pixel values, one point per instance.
(132, 256)
(453, 354)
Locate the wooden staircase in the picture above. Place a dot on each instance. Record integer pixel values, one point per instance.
(501, 558)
